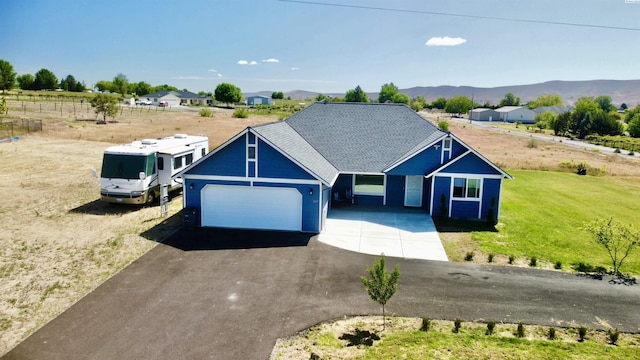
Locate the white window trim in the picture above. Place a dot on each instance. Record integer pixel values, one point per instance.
(384, 187)
(466, 189)
(446, 150)
(251, 162)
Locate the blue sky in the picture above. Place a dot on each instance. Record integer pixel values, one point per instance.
(281, 46)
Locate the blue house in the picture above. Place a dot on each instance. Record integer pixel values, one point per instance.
(289, 174)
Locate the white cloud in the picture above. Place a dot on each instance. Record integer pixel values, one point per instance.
(445, 41)
(271, 60)
(253, 62)
(242, 62)
(295, 68)
(219, 75)
(212, 70)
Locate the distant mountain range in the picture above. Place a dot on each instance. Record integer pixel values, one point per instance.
(621, 91)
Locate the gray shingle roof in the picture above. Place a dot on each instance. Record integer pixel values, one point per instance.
(351, 137)
(283, 137)
(180, 94)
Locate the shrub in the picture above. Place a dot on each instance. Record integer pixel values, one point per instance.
(490, 258)
(443, 125)
(582, 168)
(558, 265)
(491, 326)
(613, 336)
(241, 113)
(533, 262)
(457, 324)
(631, 153)
(205, 113)
(582, 333)
(532, 144)
(552, 333)
(426, 324)
(617, 150)
(520, 331)
(583, 267)
(469, 256)
(511, 259)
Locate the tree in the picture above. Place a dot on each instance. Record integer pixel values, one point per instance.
(321, 97)
(387, 91)
(605, 103)
(45, 79)
(509, 100)
(605, 123)
(382, 284)
(3, 108)
(140, 88)
(69, 83)
(25, 81)
(121, 84)
(277, 95)
(634, 126)
(623, 106)
(561, 125)
(440, 103)
(356, 95)
(228, 93)
(617, 238)
(581, 117)
(545, 120)
(163, 88)
(105, 104)
(7, 76)
(401, 99)
(631, 113)
(458, 105)
(546, 100)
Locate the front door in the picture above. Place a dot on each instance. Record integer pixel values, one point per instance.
(413, 191)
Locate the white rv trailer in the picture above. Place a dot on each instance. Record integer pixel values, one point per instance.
(132, 173)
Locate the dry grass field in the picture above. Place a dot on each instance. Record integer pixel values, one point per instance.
(58, 242)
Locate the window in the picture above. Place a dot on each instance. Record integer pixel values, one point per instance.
(177, 162)
(160, 163)
(466, 188)
(369, 184)
(203, 151)
(251, 152)
(188, 159)
(446, 150)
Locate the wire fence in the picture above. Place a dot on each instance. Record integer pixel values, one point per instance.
(15, 128)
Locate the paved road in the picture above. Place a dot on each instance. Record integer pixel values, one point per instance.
(195, 298)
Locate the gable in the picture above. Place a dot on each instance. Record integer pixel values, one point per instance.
(272, 164)
(470, 163)
(424, 161)
(227, 160)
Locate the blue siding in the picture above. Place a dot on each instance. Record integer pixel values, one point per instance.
(272, 164)
(395, 190)
(457, 149)
(464, 209)
(471, 164)
(441, 187)
(426, 192)
(310, 204)
(423, 162)
(370, 200)
(228, 161)
(490, 190)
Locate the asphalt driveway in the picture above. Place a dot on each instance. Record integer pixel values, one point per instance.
(229, 294)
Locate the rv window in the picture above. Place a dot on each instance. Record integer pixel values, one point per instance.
(177, 162)
(189, 159)
(160, 163)
(204, 151)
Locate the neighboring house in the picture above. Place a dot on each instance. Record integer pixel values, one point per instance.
(173, 98)
(554, 109)
(287, 175)
(259, 100)
(484, 114)
(516, 113)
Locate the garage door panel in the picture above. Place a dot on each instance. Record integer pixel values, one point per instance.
(244, 207)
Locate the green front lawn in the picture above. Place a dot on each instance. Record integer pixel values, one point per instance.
(542, 214)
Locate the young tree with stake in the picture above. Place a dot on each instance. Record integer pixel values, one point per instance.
(382, 284)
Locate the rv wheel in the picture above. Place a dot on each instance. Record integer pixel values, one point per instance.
(151, 197)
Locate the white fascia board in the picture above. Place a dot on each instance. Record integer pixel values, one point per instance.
(250, 179)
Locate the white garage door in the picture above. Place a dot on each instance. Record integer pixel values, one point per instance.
(246, 207)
